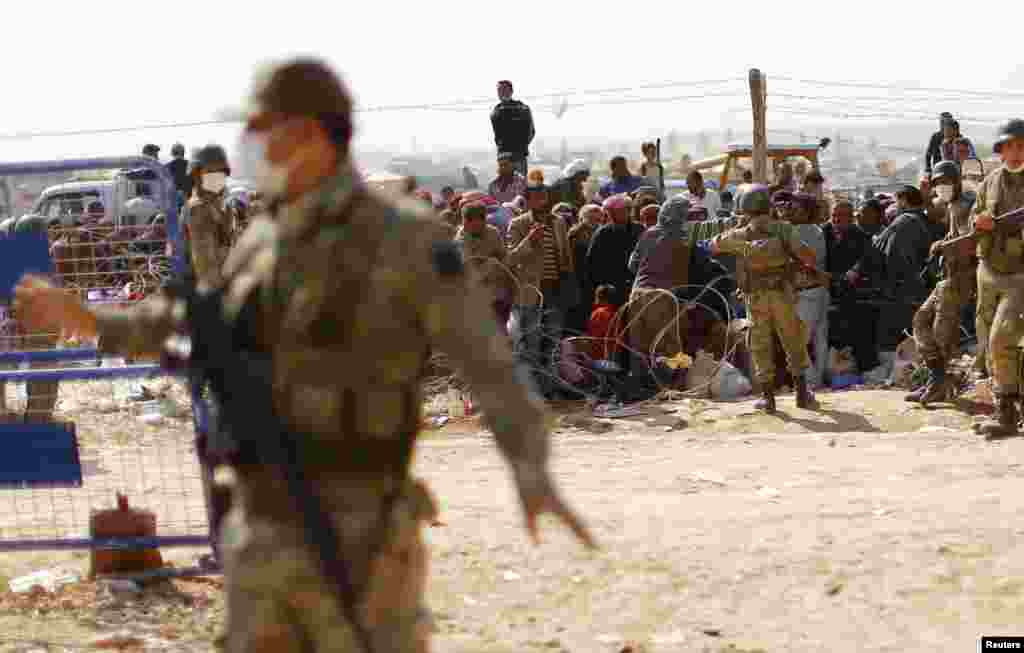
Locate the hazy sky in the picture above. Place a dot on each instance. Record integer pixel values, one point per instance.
(117, 64)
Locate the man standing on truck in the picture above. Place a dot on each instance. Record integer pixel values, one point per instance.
(513, 127)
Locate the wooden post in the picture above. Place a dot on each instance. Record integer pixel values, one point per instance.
(758, 101)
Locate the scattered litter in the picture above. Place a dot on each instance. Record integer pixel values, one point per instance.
(118, 642)
(882, 512)
(584, 422)
(138, 392)
(469, 600)
(609, 639)
(151, 419)
(769, 493)
(832, 442)
(709, 477)
(123, 586)
(728, 383)
(511, 575)
(613, 410)
(835, 587)
(48, 579)
(712, 632)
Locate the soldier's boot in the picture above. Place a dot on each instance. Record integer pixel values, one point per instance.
(935, 389)
(804, 396)
(1004, 422)
(766, 402)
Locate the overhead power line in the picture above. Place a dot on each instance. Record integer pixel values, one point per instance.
(900, 87)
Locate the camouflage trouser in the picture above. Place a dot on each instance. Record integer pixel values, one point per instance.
(774, 312)
(937, 324)
(988, 302)
(653, 311)
(1004, 343)
(277, 599)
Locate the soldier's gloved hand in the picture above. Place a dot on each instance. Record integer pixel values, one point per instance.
(984, 222)
(935, 249)
(538, 495)
(852, 278)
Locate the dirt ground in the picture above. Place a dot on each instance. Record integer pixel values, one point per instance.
(868, 525)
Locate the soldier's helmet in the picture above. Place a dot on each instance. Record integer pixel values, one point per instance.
(177, 150)
(212, 155)
(946, 170)
(306, 87)
(31, 223)
(1012, 129)
(756, 200)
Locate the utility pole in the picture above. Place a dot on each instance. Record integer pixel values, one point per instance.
(758, 103)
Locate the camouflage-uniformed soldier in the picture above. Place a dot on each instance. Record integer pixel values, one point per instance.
(766, 249)
(41, 395)
(937, 322)
(209, 227)
(348, 292)
(1000, 303)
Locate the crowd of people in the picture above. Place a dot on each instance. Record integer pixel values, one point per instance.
(622, 273)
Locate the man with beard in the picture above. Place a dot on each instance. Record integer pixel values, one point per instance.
(937, 322)
(623, 182)
(538, 250)
(812, 285)
(847, 247)
(608, 256)
(509, 184)
(901, 250)
(700, 197)
(869, 217)
(1000, 300)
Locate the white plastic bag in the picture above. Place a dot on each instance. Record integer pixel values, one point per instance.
(729, 383)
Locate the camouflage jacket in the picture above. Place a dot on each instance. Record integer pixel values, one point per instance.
(1001, 192)
(350, 331)
(209, 232)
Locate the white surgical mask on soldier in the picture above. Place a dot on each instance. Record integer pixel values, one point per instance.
(945, 193)
(214, 182)
(271, 180)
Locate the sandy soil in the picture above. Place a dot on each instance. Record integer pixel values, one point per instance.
(868, 525)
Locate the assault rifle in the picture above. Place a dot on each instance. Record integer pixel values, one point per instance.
(965, 246)
(241, 381)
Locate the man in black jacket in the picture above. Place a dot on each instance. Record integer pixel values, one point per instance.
(934, 152)
(853, 324)
(178, 167)
(513, 126)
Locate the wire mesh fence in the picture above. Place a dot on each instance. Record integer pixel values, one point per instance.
(81, 428)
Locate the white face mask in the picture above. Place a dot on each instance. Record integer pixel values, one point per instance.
(214, 182)
(945, 193)
(270, 179)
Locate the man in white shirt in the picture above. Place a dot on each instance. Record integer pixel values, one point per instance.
(701, 197)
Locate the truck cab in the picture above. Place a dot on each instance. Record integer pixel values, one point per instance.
(67, 202)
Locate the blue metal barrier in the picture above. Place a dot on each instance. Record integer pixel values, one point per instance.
(42, 518)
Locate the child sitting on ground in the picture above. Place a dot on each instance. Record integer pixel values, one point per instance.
(602, 318)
